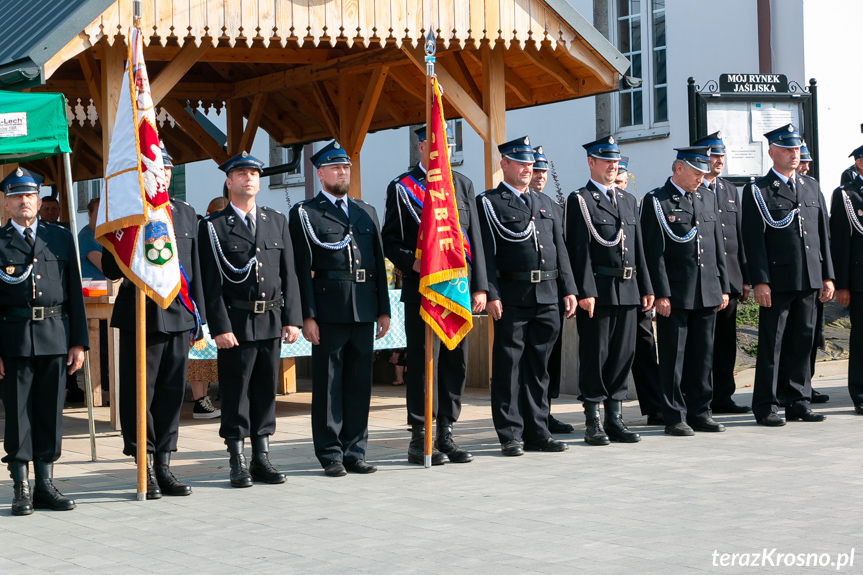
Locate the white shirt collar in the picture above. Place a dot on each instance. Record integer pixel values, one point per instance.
(707, 184)
(602, 188)
(333, 199)
(682, 191)
(516, 192)
(422, 167)
(20, 228)
(781, 177)
(243, 214)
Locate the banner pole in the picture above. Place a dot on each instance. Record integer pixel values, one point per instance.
(141, 390)
(430, 49)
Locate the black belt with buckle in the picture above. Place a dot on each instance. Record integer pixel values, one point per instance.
(359, 276)
(622, 273)
(35, 313)
(257, 306)
(533, 276)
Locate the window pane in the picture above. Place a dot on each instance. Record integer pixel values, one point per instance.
(660, 104)
(659, 74)
(659, 4)
(635, 7)
(622, 8)
(636, 33)
(637, 114)
(625, 109)
(623, 36)
(659, 29)
(636, 65)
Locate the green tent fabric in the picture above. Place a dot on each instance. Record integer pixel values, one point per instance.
(32, 126)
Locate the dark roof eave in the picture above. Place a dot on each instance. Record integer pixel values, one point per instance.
(20, 75)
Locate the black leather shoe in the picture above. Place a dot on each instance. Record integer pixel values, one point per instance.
(770, 420)
(168, 483)
(858, 408)
(240, 476)
(261, 469)
(153, 491)
(512, 448)
(45, 495)
(679, 430)
(335, 469)
(818, 397)
(360, 466)
(557, 426)
(730, 407)
(803, 415)
(547, 444)
(706, 424)
(22, 503)
(416, 448)
(447, 446)
(594, 434)
(614, 427)
(656, 419)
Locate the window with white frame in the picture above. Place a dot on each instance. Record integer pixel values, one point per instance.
(638, 31)
(87, 190)
(294, 177)
(457, 158)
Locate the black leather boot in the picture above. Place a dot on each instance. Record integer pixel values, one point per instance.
(153, 491)
(594, 434)
(447, 446)
(240, 476)
(21, 502)
(416, 449)
(614, 426)
(45, 495)
(168, 483)
(261, 469)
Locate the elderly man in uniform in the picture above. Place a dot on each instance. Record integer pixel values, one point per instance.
(528, 274)
(725, 336)
(343, 285)
(603, 239)
(537, 184)
(169, 334)
(785, 233)
(686, 259)
(846, 240)
(400, 232)
(43, 338)
(253, 304)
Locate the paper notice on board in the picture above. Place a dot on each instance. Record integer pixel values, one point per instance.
(766, 117)
(732, 120)
(744, 160)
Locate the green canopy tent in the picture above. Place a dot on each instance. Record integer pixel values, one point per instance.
(34, 126)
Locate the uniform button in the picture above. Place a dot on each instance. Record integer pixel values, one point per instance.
(258, 249)
(542, 261)
(804, 233)
(38, 277)
(40, 293)
(720, 211)
(700, 236)
(626, 249)
(263, 294)
(540, 245)
(702, 265)
(723, 225)
(807, 247)
(35, 259)
(262, 279)
(357, 262)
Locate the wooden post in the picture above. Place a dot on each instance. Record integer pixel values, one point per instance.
(349, 108)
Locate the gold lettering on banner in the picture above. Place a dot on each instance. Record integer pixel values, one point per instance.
(445, 313)
(433, 155)
(435, 176)
(442, 229)
(446, 244)
(437, 195)
(440, 214)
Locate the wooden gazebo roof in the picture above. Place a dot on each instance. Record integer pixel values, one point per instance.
(307, 70)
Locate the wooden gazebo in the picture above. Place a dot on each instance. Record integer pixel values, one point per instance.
(307, 70)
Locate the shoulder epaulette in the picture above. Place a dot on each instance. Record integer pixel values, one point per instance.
(265, 208)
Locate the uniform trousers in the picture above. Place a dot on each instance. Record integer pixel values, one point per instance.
(725, 353)
(645, 369)
(33, 391)
(685, 340)
(167, 359)
(450, 371)
(342, 391)
(817, 341)
(247, 385)
(555, 364)
(523, 338)
(786, 333)
(855, 353)
(606, 349)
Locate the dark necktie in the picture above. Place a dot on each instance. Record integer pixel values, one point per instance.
(791, 185)
(28, 235)
(525, 197)
(340, 205)
(250, 223)
(610, 194)
(712, 187)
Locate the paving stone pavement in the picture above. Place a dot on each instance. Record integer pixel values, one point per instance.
(662, 506)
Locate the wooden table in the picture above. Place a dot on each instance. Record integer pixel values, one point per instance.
(101, 308)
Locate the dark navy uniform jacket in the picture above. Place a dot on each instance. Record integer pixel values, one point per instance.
(585, 253)
(400, 233)
(692, 274)
(730, 218)
(785, 258)
(272, 278)
(175, 318)
(546, 253)
(846, 243)
(54, 281)
(339, 300)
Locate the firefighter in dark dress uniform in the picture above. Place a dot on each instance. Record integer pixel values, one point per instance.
(785, 233)
(528, 271)
(43, 338)
(253, 304)
(725, 336)
(846, 247)
(400, 233)
(603, 239)
(343, 285)
(686, 259)
(169, 334)
(537, 184)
